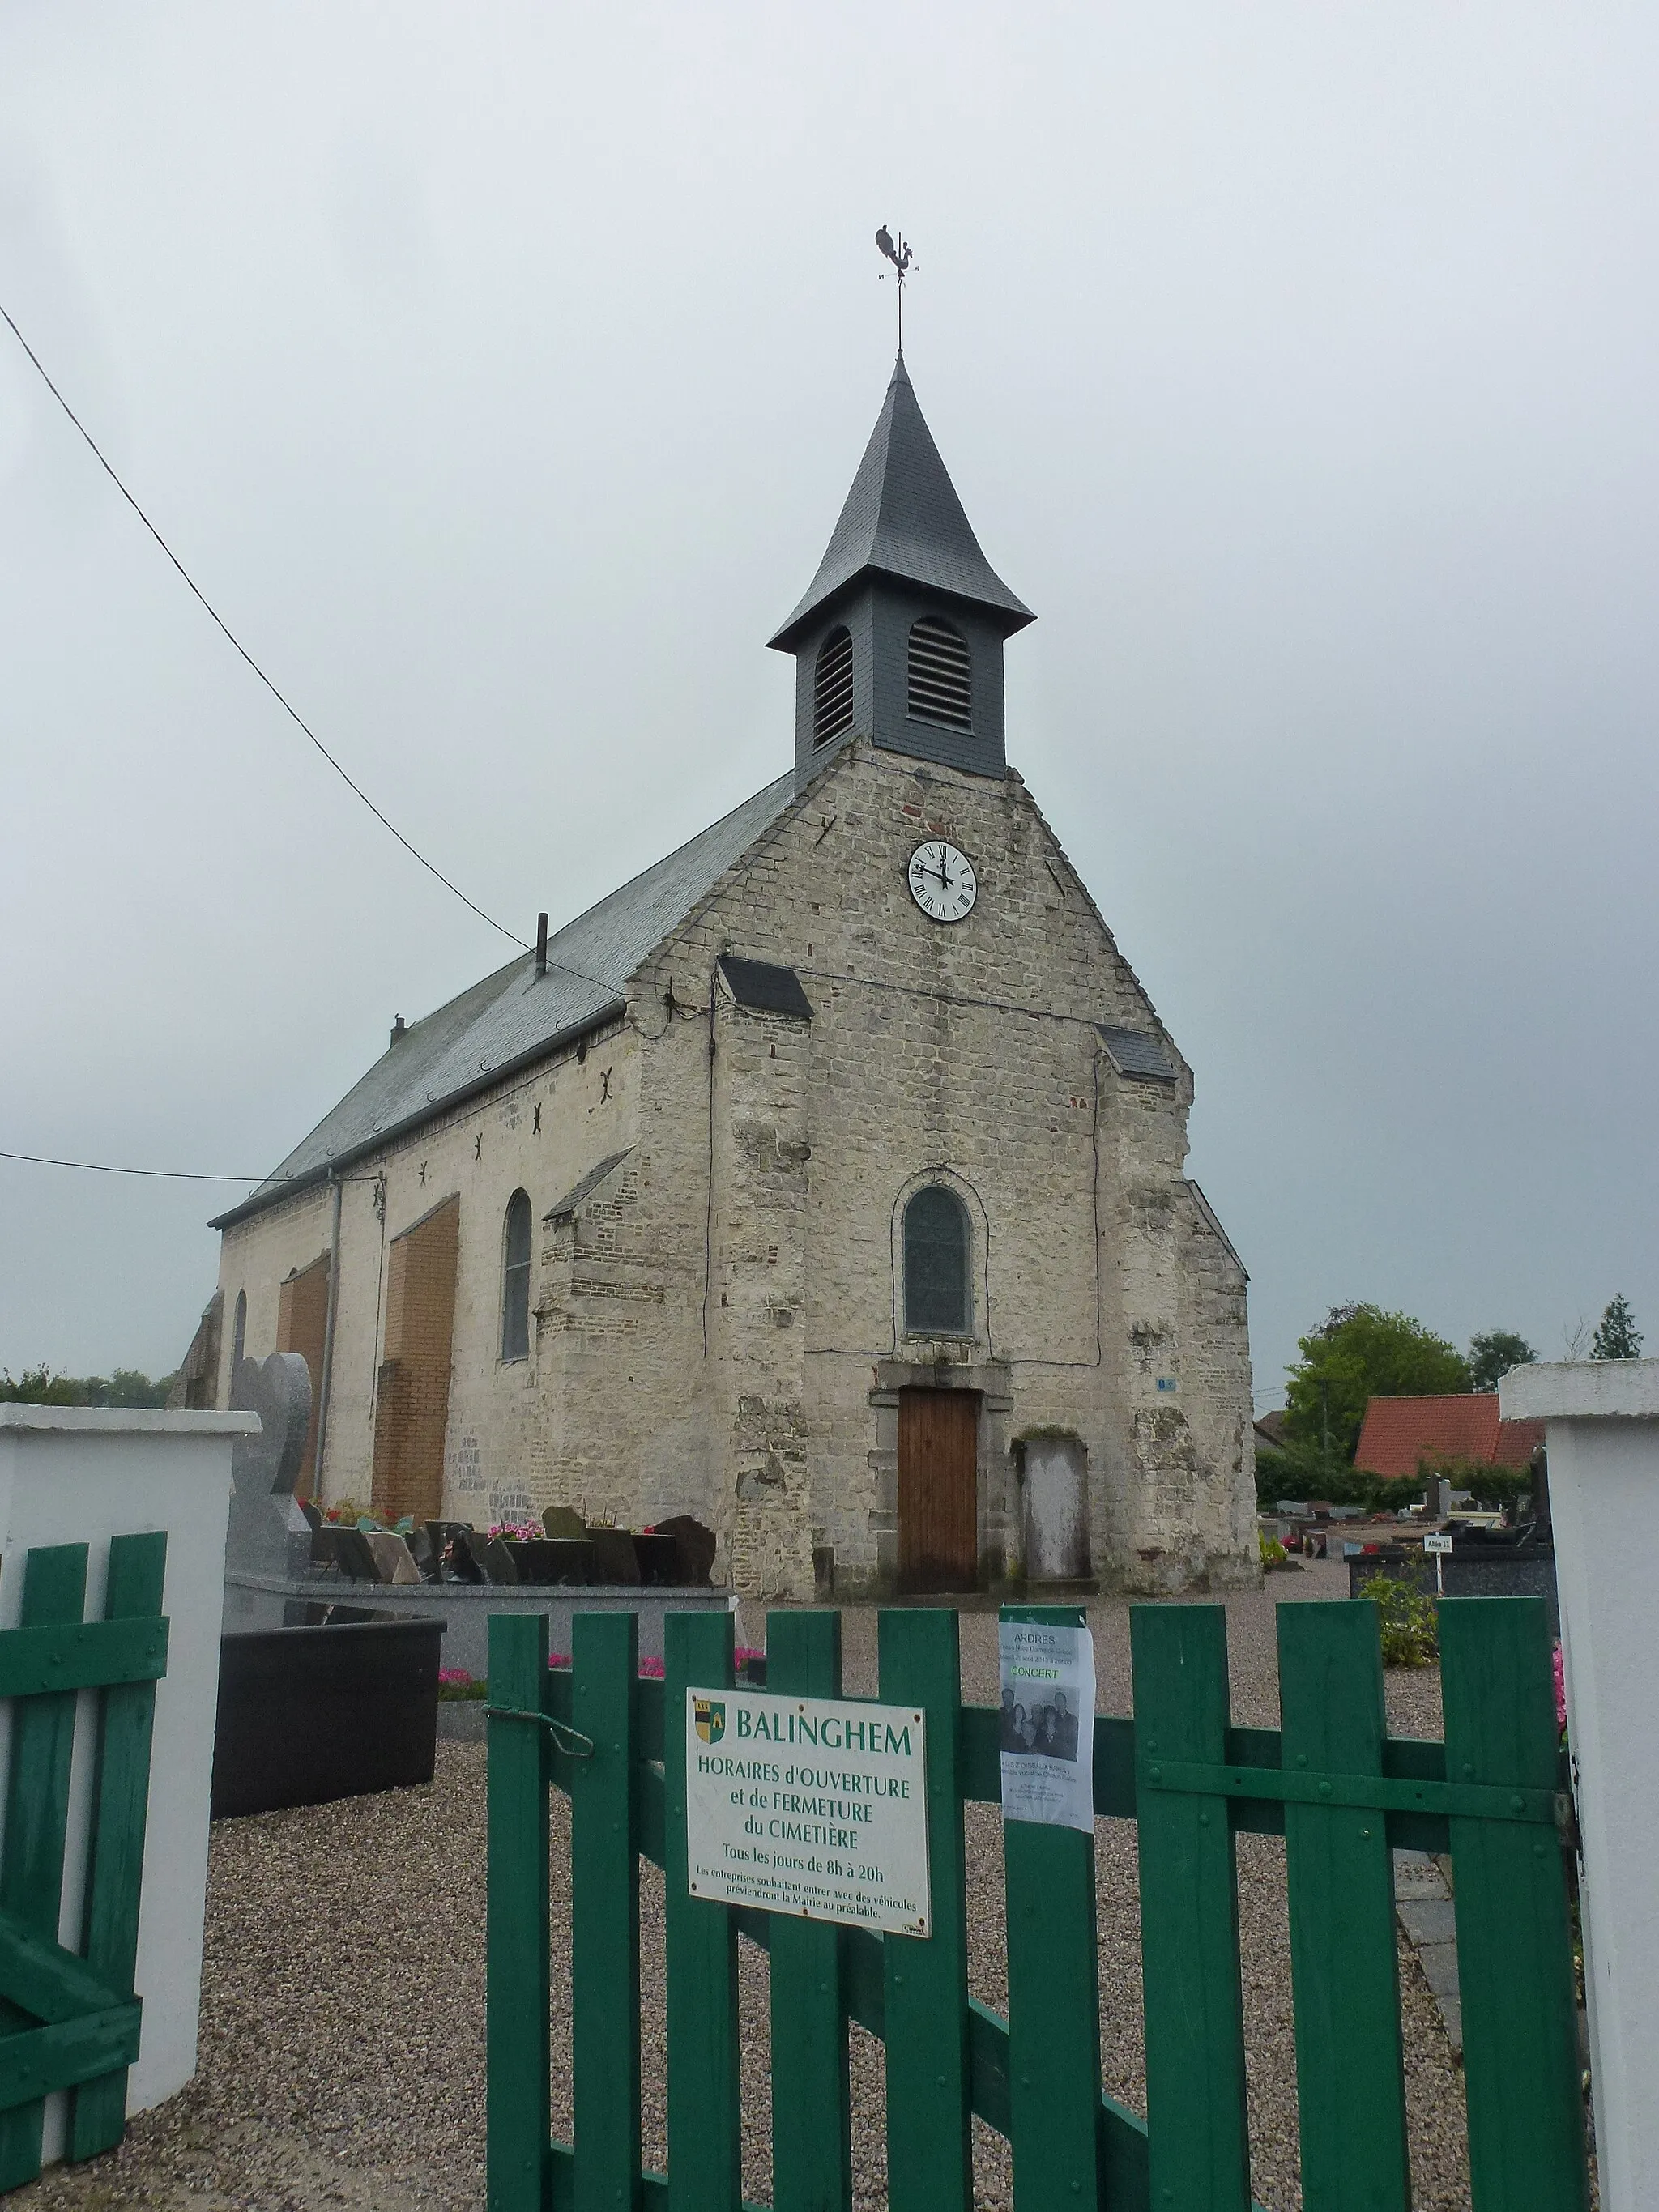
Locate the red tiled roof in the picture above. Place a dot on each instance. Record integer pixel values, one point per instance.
(1517, 1441)
(1397, 1433)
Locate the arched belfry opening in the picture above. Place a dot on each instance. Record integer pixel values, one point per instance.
(899, 635)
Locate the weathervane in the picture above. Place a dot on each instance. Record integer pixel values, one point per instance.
(899, 255)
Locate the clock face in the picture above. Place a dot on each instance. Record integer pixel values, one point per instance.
(942, 881)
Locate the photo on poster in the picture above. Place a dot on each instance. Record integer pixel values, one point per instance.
(1047, 1727)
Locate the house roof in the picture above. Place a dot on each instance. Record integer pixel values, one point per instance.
(515, 1017)
(902, 518)
(1398, 1433)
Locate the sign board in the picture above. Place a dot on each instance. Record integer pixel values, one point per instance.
(1437, 1541)
(816, 1806)
(1047, 1723)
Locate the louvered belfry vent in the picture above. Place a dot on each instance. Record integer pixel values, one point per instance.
(832, 688)
(941, 687)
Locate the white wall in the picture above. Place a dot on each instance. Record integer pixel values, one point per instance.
(72, 1475)
(1602, 1439)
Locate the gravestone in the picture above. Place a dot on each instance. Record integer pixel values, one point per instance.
(268, 1534)
(697, 1546)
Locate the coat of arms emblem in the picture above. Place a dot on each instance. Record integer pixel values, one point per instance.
(708, 1715)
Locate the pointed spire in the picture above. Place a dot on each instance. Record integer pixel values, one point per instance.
(903, 519)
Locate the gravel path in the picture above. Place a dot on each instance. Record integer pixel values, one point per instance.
(342, 2058)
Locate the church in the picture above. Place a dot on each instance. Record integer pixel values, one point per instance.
(824, 1182)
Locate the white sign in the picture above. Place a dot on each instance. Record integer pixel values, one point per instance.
(816, 1806)
(1048, 1727)
(1437, 1541)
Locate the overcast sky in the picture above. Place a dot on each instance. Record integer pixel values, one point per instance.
(500, 372)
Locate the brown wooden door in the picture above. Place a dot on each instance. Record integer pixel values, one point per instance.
(938, 1494)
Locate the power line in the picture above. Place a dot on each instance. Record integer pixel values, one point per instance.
(97, 1167)
(291, 712)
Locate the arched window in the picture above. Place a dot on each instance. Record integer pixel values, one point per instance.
(238, 1335)
(936, 1272)
(516, 1279)
(941, 673)
(832, 688)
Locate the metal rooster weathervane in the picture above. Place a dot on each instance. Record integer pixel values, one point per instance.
(899, 255)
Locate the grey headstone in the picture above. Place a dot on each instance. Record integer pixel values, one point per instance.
(1429, 1920)
(1439, 1965)
(263, 1538)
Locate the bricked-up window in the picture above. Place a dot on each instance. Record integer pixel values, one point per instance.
(936, 1271)
(832, 688)
(941, 675)
(516, 1279)
(302, 1326)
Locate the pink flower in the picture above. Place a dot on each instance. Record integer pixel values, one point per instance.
(1560, 1692)
(457, 1675)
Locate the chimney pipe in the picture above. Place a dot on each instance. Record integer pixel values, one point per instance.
(541, 944)
(398, 1031)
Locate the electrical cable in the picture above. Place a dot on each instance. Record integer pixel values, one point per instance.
(291, 712)
(97, 1167)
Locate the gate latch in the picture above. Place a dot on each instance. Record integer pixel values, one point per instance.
(571, 1741)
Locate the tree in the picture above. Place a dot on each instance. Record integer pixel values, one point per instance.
(1357, 1353)
(1493, 1355)
(1616, 1336)
(38, 1386)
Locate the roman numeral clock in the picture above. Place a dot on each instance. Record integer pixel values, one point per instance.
(942, 881)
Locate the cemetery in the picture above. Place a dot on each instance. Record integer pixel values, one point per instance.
(1383, 1956)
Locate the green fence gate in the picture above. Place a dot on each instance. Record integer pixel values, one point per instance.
(69, 2019)
(1341, 1791)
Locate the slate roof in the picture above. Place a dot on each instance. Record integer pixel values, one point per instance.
(1141, 1055)
(767, 987)
(1399, 1432)
(902, 518)
(513, 1018)
(589, 1183)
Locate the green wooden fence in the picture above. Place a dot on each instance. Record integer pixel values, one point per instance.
(1340, 1790)
(69, 2019)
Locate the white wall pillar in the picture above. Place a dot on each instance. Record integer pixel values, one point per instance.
(1602, 1439)
(73, 1474)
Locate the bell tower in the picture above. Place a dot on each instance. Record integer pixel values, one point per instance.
(899, 637)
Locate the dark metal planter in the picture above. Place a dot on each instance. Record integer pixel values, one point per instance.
(1468, 1570)
(343, 1704)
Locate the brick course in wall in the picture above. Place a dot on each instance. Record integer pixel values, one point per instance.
(411, 1415)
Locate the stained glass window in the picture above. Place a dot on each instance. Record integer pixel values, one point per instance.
(936, 1245)
(516, 1279)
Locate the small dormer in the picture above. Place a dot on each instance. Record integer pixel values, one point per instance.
(900, 637)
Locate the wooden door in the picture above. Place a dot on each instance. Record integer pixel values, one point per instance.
(938, 1492)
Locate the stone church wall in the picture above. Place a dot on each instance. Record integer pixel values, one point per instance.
(973, 1055)
(718, 1327)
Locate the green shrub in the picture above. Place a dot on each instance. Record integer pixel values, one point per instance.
(1273, 1553)
(1410, 1625)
